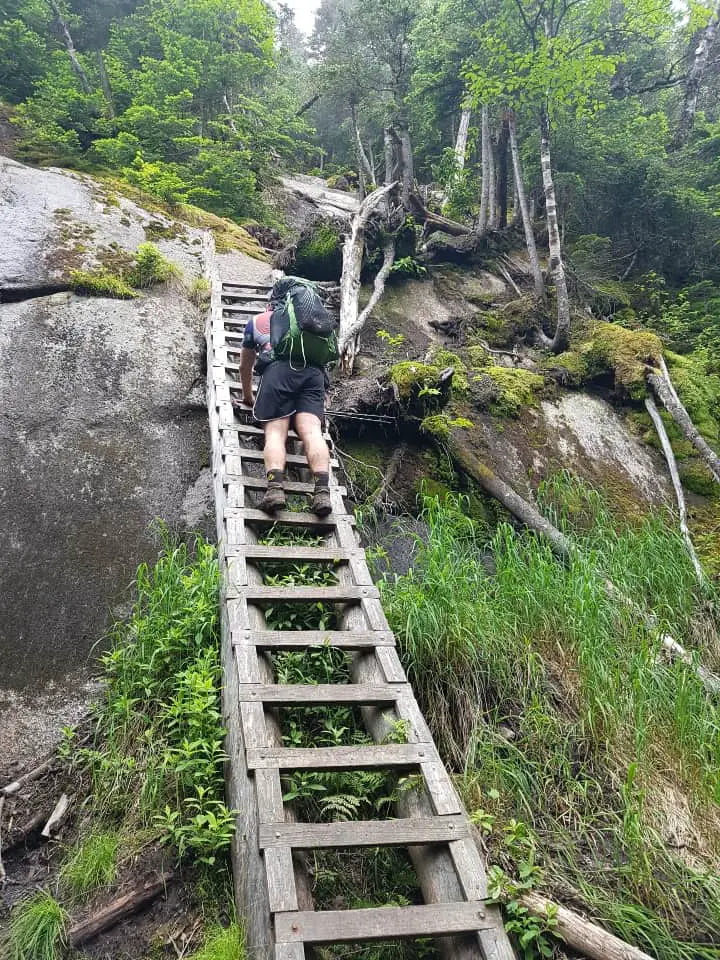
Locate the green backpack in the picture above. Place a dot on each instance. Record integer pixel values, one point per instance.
(302, 332)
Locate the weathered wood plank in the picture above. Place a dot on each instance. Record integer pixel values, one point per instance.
(469, 866)
(380, 923)
(248, 453)
(406, 755)
(289, 951)
(280, 879)
(287, 517)
(301, 594)
(293, 639)
(319, 694)
(261, 483)
(298, 552)
(363, 833)
(439, 785)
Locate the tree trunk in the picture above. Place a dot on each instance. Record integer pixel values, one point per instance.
(580, 934)
(407, 164)
(389, 155)
(662, 386)
(105, 84)
(349, 349)
(228, 107)
(524, 210)
(353, 250)
(675, 477)
(482, 223)
(501, 200)
(492, 184)
(557, 269)
(462, 139)
(460, 150)
(72, 53)
(364, 169)
(695, 78)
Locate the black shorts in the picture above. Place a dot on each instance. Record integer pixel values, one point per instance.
(284, 392)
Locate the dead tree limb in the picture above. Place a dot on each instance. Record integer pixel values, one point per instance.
(675, 477)
(525, 512)
(33, 774)
(70, 47)
(57, 816)
(587, 938)
(393, 467)
(118, 910)
(353, 251)
(664, 390)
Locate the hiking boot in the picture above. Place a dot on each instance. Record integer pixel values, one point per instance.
(321, 504)
(274, 498)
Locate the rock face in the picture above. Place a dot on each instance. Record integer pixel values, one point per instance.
(101, 431)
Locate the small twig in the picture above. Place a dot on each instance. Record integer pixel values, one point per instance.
(509, 279)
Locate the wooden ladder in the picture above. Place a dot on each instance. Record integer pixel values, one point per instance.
(432, 824)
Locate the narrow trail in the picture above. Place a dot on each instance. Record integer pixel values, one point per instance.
(272, 888)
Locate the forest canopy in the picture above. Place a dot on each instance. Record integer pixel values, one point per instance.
(202, 101)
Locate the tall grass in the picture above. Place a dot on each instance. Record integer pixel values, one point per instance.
(37, 929)
(556, 704)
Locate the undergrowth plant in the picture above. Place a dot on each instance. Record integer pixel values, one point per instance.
(37, 929)
(555, 703)
(92, 864)
(158, 759)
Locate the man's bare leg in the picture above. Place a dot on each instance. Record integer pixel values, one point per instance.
(309, 430)
(275, 454)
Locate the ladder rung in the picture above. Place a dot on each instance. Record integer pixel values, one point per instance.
(381, 923)
(249, 428)
(248, 453)
(226, 285)
(298, 639)
(293, 552)
(287, 517)
(289, 486)
(340, 758)
(318, 694)
(364, 833)
(289, 594)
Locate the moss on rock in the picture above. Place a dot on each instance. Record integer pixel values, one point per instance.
(100, 283)
(624, 353)
(514, 389)
(439, 425)
(411, 375)
(442, 359)
(319, 253)
(571, 364)
(696, 477)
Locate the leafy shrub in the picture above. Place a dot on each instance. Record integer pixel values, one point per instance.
(100, 283)
(150, 267)
(408, 267)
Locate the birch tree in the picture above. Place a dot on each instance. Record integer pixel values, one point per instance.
(705, 40)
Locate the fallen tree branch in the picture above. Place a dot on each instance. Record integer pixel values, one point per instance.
(117, 910)
(57, 816)
(664, 390)
(675, 477)
(347, 357)
(388, 479)
(587, 938)
(436, 220)
(33, 774)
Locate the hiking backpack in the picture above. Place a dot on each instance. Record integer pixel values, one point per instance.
(302, 332)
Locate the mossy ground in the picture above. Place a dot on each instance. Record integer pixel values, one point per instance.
(319, 255)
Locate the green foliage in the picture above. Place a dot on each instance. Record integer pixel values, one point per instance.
(91, 865)
(561, 685)
(408, 267)
(150, 267)
(37, 929)
(159, 750)
(100, 283)
(222, 943)
(199, 292)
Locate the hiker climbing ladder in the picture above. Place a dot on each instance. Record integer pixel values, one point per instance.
(271, 885)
